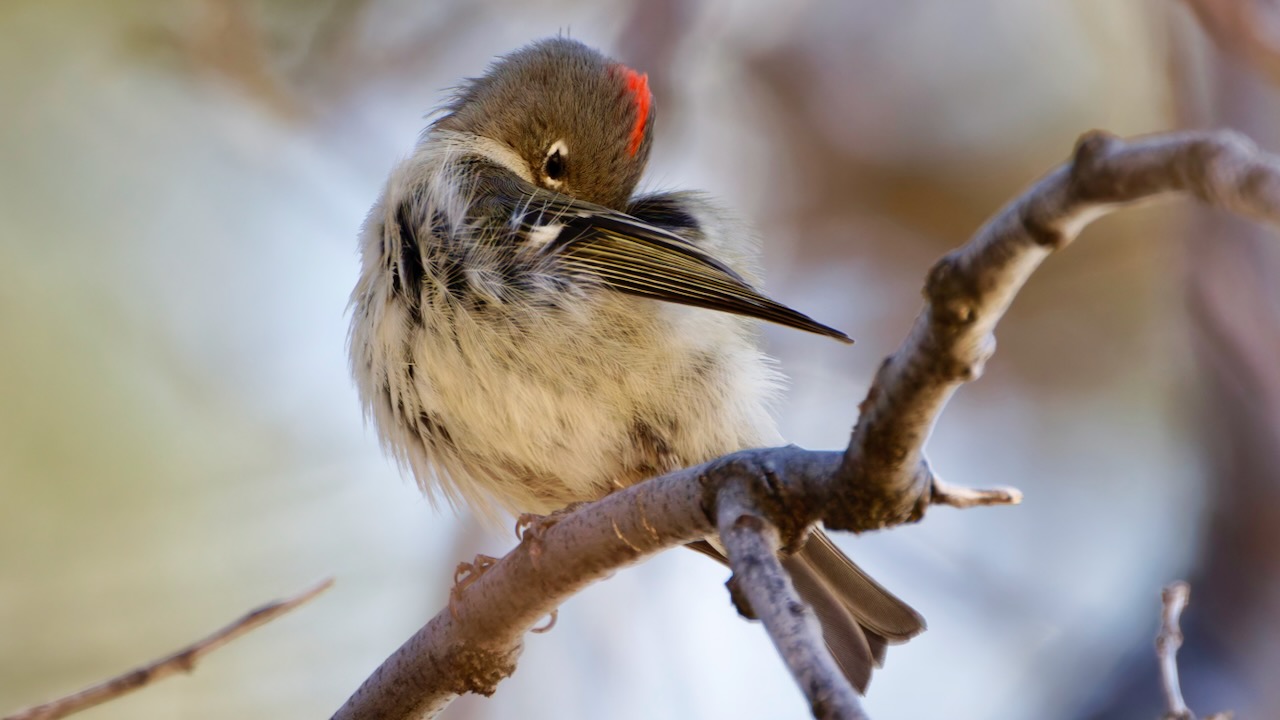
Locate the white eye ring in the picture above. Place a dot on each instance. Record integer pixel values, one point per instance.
(560, 149)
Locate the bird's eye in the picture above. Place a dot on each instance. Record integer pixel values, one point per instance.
(556, 164)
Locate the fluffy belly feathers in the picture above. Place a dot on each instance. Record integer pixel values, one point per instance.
(530, 419)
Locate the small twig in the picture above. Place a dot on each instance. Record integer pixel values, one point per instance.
(751, 543)
(956, 496)
(1168, 640)
(1174, 599)
(183, 660)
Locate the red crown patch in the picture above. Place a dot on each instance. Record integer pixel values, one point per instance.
(638, 88)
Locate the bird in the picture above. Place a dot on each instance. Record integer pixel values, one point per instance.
(529, 331)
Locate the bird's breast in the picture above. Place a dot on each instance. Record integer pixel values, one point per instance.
(549, 404)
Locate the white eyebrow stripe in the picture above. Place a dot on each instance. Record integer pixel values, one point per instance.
(502, 154)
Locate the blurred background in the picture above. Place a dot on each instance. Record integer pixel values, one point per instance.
(181, 182)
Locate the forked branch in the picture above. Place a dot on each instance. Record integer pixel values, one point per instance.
(763, 499)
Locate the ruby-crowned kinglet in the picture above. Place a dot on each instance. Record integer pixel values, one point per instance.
(528, 333)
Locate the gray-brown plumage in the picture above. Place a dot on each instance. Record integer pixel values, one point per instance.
(528, 333)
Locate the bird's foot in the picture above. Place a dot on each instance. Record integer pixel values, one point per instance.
(463, 577)
(530, 528)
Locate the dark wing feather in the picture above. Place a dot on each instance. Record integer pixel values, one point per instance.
(638, 258)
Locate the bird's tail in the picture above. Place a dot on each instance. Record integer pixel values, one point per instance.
(859, 618)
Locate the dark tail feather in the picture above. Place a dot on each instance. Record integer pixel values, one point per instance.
(875, 607)
(845, 638)
(879, 647)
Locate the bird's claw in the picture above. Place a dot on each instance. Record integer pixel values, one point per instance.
(463, 577)
(530, 528)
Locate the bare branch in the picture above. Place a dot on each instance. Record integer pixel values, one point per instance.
(880, 480)
(752, 544)
(183, 660)
(473, 645)
(886, 480)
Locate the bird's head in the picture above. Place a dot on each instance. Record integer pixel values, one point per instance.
(577, 122)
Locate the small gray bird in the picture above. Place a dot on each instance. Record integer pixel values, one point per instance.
(528, 333)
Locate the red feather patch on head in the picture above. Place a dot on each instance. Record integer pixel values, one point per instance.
(638, 88)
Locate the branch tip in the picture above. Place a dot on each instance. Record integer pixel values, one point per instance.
(957, 496)
(1173, 600)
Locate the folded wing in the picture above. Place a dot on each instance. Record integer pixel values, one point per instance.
(638, 258)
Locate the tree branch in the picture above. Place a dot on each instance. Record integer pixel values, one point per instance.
(473, 645)
(887, 482)
(882, 479)
(183, 660)
(752, 543)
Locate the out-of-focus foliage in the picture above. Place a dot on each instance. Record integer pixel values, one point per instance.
(180, 186)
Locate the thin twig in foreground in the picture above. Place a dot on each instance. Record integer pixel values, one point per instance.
(1168, 640)
(1174, 599)
(183, 660)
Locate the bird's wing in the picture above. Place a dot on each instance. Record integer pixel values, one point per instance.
(638, 258)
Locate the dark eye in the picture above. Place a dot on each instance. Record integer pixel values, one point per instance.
(554, 166)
